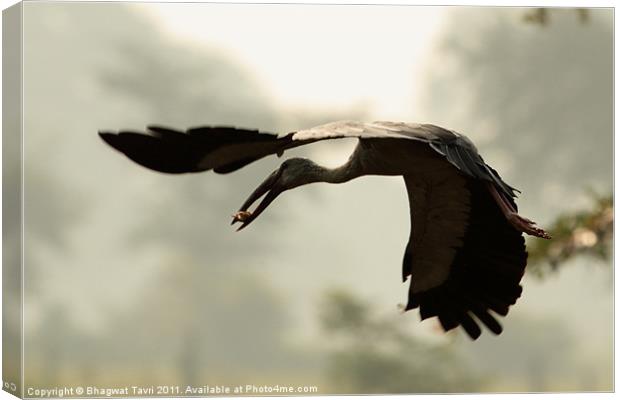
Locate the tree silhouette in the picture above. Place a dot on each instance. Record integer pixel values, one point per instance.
(585, 232)
(542, 15)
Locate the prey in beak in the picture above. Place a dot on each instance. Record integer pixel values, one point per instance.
(271, 187)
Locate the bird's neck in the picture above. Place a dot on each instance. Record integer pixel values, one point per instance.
(341, 174)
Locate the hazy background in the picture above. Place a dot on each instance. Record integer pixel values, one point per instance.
(135, 277)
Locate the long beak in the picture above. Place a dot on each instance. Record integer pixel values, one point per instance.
(268, 186)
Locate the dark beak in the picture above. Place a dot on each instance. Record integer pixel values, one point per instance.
(269, 186)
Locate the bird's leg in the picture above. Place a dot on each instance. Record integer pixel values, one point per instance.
(520, 223)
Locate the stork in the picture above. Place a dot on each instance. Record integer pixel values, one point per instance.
(466, 253)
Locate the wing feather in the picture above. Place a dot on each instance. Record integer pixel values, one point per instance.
(483, 273)
(225, 149)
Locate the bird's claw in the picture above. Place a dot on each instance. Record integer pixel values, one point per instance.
(527, 226)
(240, 216)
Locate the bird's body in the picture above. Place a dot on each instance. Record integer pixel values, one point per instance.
(465, 255)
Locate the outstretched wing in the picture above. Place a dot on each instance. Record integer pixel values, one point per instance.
(223, 149)
(226, 149)
(464, 258)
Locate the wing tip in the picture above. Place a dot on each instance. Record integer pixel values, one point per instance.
(109, 138)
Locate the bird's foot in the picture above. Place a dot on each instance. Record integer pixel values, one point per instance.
(527, 226)
(240, 216)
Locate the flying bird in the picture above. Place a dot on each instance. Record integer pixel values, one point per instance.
(466, 253)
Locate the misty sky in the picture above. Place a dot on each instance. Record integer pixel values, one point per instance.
(106, 238)
(305, 57)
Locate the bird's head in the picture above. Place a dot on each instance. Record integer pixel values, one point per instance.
(292, 173)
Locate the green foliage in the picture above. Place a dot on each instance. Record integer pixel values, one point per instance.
(585, 232)
(375, 354)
